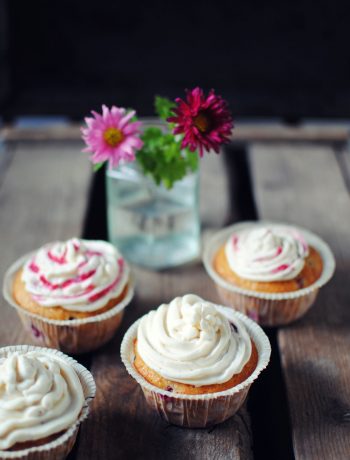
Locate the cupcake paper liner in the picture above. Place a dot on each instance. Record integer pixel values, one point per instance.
(268, 309)
(71, 336)
(60, 447)
(204, 410)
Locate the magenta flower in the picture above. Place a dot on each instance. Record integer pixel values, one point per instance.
(112, 136)
(205, 121)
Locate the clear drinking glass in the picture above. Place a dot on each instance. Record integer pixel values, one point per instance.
(151, 225)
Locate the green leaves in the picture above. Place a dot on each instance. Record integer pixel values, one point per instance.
(163, 107)
(98, 166)
(162, 157)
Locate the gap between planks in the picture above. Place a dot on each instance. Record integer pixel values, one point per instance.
(244, 131)
(43, 198)
(43, 193)
(121, 425)
(304, 185)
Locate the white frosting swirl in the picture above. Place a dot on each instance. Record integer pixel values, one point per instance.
(272, 253)
(192, 341)
(39, 395)
(79, 275)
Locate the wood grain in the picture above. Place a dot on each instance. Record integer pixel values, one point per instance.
(215, 204)
(121, 425)
(43, 193)
(304, 185)
(43, 190)
(245, 131)
(343, 156)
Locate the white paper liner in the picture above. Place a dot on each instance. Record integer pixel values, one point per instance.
(64, 334)
(198, 411)
(263, 306)
(60, 447)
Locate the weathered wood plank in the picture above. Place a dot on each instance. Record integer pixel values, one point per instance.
(215, 205)
(121, 424)
(43, 194)
(6, 154)
(304, 185)
(343, 156)
(304, 132)
(243, 132)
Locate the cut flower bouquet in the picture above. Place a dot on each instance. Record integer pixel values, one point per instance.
(198, 123)
(152, 178)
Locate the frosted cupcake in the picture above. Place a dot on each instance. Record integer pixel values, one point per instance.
(272, 272)
(71, 295)
(195, 360)
(44, 397)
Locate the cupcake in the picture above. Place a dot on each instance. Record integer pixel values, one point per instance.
(44, 397)
(70, 295)
(195, 360)
(272, 272)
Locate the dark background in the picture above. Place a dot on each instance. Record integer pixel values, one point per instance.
(269, 59)
(289, 60)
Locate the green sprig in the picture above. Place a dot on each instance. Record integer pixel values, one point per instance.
(163, 107)
(161, 156)
(98, 166)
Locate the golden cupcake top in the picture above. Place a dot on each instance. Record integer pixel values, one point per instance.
(267, 253)
(40, 395)
(193, 341)
(78, 275)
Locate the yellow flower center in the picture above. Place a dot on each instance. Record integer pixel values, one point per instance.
(113, 136)
(202, 122)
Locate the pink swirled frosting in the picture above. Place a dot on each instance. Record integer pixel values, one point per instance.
(267, 253)
(79, 275)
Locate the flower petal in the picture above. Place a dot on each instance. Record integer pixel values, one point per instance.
(213, 110)
(93, 135)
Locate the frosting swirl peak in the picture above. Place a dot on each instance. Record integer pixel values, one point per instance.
(39, 396)
(79, 275)
(191, 341)
(271, 253)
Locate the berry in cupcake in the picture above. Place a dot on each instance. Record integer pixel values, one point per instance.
(195, 360)
(190, 346)
(272, 258)
(41, 397)
(70, 295)
(72, 280)
(269, 271)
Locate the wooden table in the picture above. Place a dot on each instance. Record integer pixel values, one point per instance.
(299, 175)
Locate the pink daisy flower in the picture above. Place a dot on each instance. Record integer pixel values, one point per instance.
(112, 136)
(205, 121)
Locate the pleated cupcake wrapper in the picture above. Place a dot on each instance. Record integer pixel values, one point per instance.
(71, 336)
(58, 448)
(269, 309)
(197, 411)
